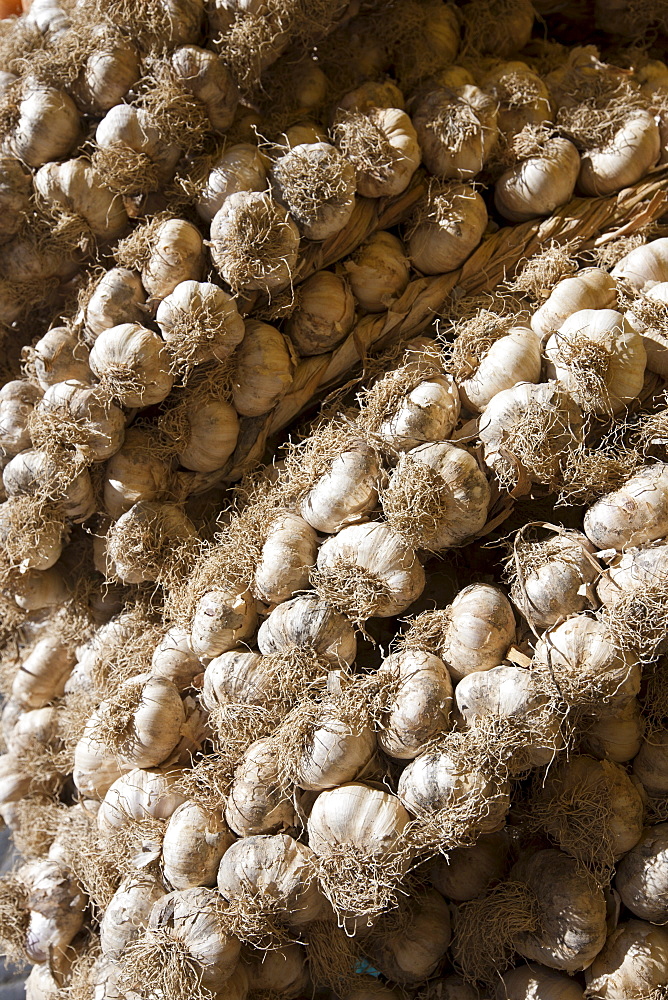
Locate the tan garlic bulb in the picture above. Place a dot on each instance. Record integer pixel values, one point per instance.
(108, 73)
(633, 962)
(131, 362)
(142, 723)
(634, 514)
(311, 624)
(254, 242)
(625, 158)
(222, 619)
(97, 424)
(32, 543)
(551, 577)
(599, 359)
(324, 314)
(437, 496)
(276, 867)
(616, 734)
(382, 146)
(43, 673)
(139, 795)
(264, 369)
(368, 569)
(48, 126)
(501, 27)
(446, 228)
(15, 785)
(372, 94)
(36, 726)
(282, 970)
(538, 183)
(412, 952)
(287, 557)
(479, 628)
(210, 434)
(135, 472)
(240, 167)
(530, 982)
(57, 906)
(25, 260)
(523, 97)
(632, 570)
(18, 399)
(580, 657)
(642, 875)
(645, 266)
(34, 473)
(236, 677)
(58, 356)
(177, 254)
(417, 708)
(96, 768)
(317, 186)
(428, 412)
(347, 492)
(199, 322)
(146, 542)
(42, 589)
(126, 133)
(590, 288)
(257, 804)
(127, 912)
(651, 764)
(571, 912)
(457, 130)
(76, 188)
(466, 872)
(526, 430)
(15, 190)
(325, 744)
(210, 81)
(304, 132)
(514, 357)
(174, 659)
(378, 271)
(194, 842)
(118, 297)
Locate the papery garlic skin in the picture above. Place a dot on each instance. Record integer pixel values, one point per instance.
(210, 81)
(558, 583)
(174, 659)
(532, 981)
(132, 361)
(359, 816)
(411, 954)
(177, 254)
(346, 493)
(466, 872)
(537, 185)
(480, 630)
(523, 97)
(645, 266)
(288, 554)
(95, 767)
(651, 764)
(125, 128)
(102, 423)
(141, 541)
(382, 146)
(57, 913)
(43, 673)
(615, 734)
(136, 796)
(256, 802)
(309, 623)
(48, 127)
(200, 322)
(633, 962)
(240, 167)
(420, 708)
(107, 74)
(128, 911)
(281, 969)
(119, 297)
(135, 473)
(213, 430)
(378, 271)
(154, 724)
(429, 412)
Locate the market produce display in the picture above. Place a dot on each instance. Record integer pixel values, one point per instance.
(334, 515)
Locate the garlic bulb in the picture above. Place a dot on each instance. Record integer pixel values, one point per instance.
(539, 182)
(128, 911)
(15, 190)
(523, 97)
(57, 907)
(276, 867)
(48, 126)
(148, 540)
(126, 135)
(96, 768)
(645, 266)
(75, 187)
(264, 369)
(18, 399)
(323, 315)
(143, 722)
(571, 914)
(199, 322)
(634, 514)
(447, 227)
(235, 677)
(59, 356)
(501, 28)
(479, 628)
(466, 872)
(254, 242)
(135, 473)
(174, 659)
(457, 130)
(211, 434)
(96, 424)
(419, 703)
(136, 796)
(347, 492)
(367, 570)
(530, 982)
(411, 953)
(131, 363)
(428, 412)
(305, 132)
(437, 496)
(642, 875)
(311, 624)
(651, 764)
(256, 802)
(437, 782)
(118, 298)
(652, 304)
(599, 359)
(553, 579)
(634, 569)
(590, 288)
(221, 620)
(615, 735)
(15, 784)
(33, 540)
(282, 970)
(287, 557)
(383, 148)
(209, 80)
(36, 726)
(372, 94)
(240, 167)
(378, 271)
(42, 675)
(626, 157)
(633, 962)
(194, 842)
(42, 589)
(177, 254)
(317, 186)
(108, 73)
(514, 357)
(34, 473)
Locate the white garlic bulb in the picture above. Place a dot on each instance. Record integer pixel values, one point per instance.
(18, 399)
(264, 369)
(523, 97)
(143, 722)
(34, 473)
(428, 412)
(632, 515)
(317, 186)
(311, 624)
(43, 673)
(633, 962)
(128, 911)
(624, 159)
(347, 492)
(651, 764)
(590, 288)
(457, 130)
(15, 190)
(283, 970)
(100, 424)
(124, 132)
(221, 620)
(287, 557)
(378, 271)
(382, 146)
(325, 745)
(177, 254)
(210, 434)
(240, 167)
(642, 875)
(108, 73)
(235, 677)
(553, 578)
(466, 872)
(615, 734)
(132, 363)
(532, 981)
(538, 183)
(145, 543)
(194, 842)
(58, 356)
(446, 228)
(96, 768)
(174, 659)
(135, 472)
(324, 314)
(75, 187)
(256, 803)
(210, 81)
(48, 126)
(514, 357)
(119, 297)
(412, 952)
(57, 906)
(136, 796)
(199, 322)
(480, 628)
(418, 709)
